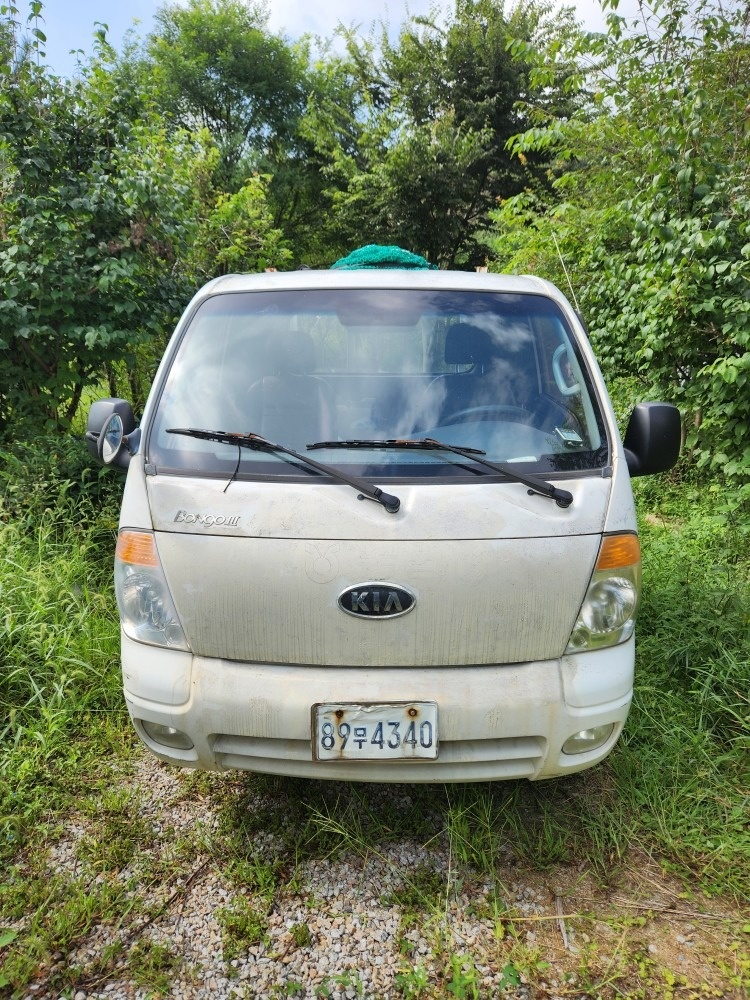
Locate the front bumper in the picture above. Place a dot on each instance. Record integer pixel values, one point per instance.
(495, 722)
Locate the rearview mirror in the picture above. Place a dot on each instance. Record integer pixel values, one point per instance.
(111, 439)
(652, 440)
(111, 432)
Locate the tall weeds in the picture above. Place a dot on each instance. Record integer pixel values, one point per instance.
(683, 765)
(59, 636)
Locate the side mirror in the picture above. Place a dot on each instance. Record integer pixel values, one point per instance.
(652, 440)
(111, 432)
(111, 440)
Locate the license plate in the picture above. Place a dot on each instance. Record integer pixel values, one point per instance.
(395, 731)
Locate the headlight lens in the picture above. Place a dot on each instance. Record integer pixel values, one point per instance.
(608, 612)
(147, 611)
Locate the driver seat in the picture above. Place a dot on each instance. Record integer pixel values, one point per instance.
(445, 394)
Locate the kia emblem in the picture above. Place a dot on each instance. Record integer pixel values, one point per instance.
(376, 600)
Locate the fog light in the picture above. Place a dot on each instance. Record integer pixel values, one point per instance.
(168, 736)
(588, 739)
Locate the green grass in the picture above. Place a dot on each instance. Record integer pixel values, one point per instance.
(60, 701)
(242, 926)
(676, 789)
(683, 768)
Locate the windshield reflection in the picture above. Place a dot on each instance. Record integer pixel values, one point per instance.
(491, 371)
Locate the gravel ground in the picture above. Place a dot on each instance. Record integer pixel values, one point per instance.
(357, 939)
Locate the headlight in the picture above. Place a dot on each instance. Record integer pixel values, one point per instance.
(608, 612)
(147, 611)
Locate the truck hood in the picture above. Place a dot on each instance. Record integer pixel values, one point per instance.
(256, 572)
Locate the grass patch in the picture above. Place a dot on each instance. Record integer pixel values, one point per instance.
(152, 966)
(683, 767)
(676, 790)
(242, 926)
(66, 913)
(117, 831)
(59, 644)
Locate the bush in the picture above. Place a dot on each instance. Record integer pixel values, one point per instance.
(649, 208)
(694, 625)
(40, 474)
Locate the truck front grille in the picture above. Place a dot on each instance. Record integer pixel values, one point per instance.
(458, 760)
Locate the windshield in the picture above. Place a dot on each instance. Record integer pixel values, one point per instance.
(494, 371)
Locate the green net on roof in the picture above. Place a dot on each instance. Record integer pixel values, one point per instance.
(375, 256)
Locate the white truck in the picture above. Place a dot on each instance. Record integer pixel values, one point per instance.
(378, 525)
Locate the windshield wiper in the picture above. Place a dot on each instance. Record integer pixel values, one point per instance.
(561, 497)
(257, 443)
(426, 444)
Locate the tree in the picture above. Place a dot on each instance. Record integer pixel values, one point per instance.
(217, 66)
(650, 205)
(96, 212)
(417, 151)
(239, 234)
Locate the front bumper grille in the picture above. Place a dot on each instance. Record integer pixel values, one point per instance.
(458, 760)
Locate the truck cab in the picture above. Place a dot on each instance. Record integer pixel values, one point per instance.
(378, 525)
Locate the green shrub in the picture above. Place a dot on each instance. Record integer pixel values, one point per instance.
(42, 474)
(59, 640)
(694, 625)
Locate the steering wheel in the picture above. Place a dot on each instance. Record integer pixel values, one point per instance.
(492, 411)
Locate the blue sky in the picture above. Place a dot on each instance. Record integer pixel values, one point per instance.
(70, 24)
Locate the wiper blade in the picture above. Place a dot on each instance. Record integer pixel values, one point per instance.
(426, 444)
(257, 443)
(561, 497)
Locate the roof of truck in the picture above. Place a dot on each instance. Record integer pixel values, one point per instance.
(380, 278)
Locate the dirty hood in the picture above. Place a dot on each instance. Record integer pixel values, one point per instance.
(256, 572)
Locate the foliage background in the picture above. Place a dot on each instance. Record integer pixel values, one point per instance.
(648, 201)
(483, 135)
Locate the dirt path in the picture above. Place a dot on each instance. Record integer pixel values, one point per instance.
(228, 902)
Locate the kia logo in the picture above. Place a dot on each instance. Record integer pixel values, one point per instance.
(376, 600)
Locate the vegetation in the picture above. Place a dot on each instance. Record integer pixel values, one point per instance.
(670, 801)
(217, 67)
(414, 134)
(123, 189)
(482, 136)
(649, 204)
